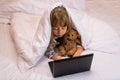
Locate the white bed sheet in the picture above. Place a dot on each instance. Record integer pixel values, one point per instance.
(104, 67)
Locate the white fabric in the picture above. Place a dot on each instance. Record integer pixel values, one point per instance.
(4, 21)
(31, 6)
(99, 35)
(34, 6)
(105, 66)
(4, 18)
(30, 40)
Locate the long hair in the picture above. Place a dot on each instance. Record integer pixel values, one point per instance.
(59, 15)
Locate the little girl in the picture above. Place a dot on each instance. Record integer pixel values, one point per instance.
(61, 24)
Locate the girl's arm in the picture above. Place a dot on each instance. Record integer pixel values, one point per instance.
(53, 55)
(50, 53)
(56, 57)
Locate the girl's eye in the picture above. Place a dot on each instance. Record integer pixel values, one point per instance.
(63, 28)
(55, 28)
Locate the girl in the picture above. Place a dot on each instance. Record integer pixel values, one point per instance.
(61, 24)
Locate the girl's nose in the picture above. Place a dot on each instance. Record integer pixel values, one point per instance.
(59, 31)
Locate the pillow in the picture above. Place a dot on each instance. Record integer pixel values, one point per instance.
(31, 38)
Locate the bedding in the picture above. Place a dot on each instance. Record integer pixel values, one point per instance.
(31, 47)
(14, 67)
(7, 7)
(104, 67)
(33, 44)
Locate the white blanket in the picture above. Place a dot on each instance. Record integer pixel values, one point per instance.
(30, 40)
(32, 34)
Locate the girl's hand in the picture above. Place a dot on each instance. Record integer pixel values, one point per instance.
(78, 51)
(56, 57)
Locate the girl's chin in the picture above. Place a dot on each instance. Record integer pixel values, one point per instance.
(59, 35)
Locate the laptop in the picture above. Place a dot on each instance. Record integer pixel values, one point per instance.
(71, 65)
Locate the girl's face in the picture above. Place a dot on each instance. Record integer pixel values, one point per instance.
(59, 31)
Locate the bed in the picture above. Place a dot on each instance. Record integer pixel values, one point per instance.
(105, 65)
